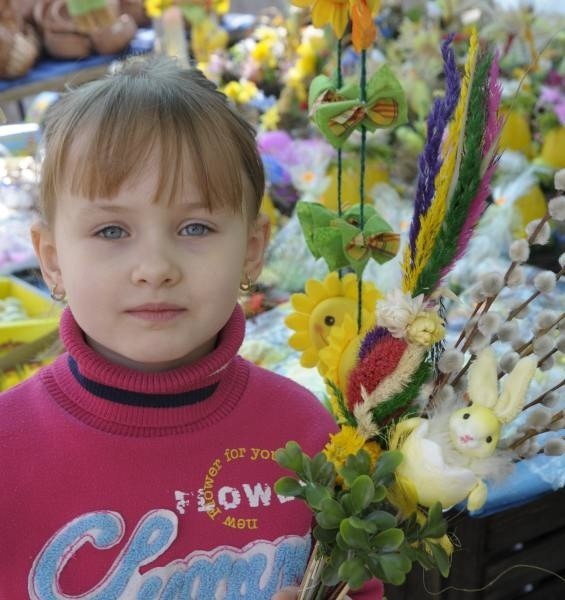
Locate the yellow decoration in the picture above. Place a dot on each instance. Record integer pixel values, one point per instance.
(207, 37)
(375, 173)
(532, 205)
(323, 305)
(268, 208)
(553, 148)
(426, 329)
(271, 118)
(324, 12)
(241, 92)
(516, 134)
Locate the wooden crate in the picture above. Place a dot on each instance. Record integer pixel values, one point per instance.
(531, 534)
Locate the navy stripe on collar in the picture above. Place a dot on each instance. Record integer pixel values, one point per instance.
(139, 398)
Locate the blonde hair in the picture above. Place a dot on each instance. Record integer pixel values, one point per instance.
(116, 124)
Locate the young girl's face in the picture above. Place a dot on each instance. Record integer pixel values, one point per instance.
(150, 283)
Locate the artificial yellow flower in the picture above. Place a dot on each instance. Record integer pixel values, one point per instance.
(426, 329)
(263, 53)
(348, 442)
(363, 31)
(271, 118)
(241, 92)
(334, 12)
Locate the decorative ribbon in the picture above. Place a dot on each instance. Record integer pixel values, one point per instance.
(340, 241)
(337, 112)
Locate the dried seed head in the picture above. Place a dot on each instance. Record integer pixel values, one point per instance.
(545, 282)
(551, 400)
(489, 323)
(539, 418)
(543, 345)
(491, 283)
(446, 394)
(519, 251)
(451, 360)
(556, 208)
(542, 236)
(508, 361)
(546, 318)
(508, 331)
(479, 342)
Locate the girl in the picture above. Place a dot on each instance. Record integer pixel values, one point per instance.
(140, 463)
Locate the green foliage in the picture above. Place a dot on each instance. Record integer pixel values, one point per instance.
(357, 528)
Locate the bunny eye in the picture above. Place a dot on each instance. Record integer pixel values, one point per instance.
(488, 439)
(466, 415)
(329, 320)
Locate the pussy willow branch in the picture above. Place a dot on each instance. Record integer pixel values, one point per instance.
(541, 332)
(533, 432)
(541, 397)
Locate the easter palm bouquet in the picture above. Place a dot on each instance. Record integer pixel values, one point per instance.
(421, 418)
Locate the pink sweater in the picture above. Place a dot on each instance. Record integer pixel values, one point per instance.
(105, 499)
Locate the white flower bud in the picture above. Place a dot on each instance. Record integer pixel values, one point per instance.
(559, 180)
(491, 283)
(547, 364)
(518, 342)
(519, 251)
(542, 236)
(476, 293)
(451, 360)
(546, 318)
(516, 277)
(508, 331)
(489, 323)
(508, 361)
(554, 447)
(551, 400)
(542, 345)
(556, 208)
(479, 342)
(446, 394)
(539, 418)
(545, 282)
(561, 343)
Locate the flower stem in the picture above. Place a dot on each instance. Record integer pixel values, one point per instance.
(540, 398)
(533, 432)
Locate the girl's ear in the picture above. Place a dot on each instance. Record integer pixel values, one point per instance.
(46, 252)
(257, 240)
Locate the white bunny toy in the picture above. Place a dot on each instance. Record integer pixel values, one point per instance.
(447, 456)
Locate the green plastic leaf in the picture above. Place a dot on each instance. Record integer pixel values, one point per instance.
(386, 465)
(354, 572)
(389, 540)
(315, 494)
(288, 486)
(353, 536)
(441, 558)
(290, 457)
(362, 493)
(331, 514)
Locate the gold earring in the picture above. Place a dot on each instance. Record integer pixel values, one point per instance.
(58, 297)
(246, 285)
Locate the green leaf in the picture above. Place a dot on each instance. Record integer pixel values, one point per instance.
(380, 493)
(382, 519)
(289, 486)
(315, 494)
(353, 536)
(330, 574)
(322, 470)
(326, 536)
(364, 524)
(436, 525)
(354, 572)
(331, 514)
(362, 493)
(441, 558)
(394, 567)
(290, 457)
(389, 540)
(386, 465)
(347, 503)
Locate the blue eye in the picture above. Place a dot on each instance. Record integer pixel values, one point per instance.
(195, 229)
(111, 232)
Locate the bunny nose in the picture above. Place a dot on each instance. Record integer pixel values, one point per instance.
(466, 438)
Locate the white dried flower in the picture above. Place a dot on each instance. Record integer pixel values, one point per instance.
(545, 282)
(508, 331)
(451, 360)
(519, 251)
(397, 311)
(556, 208)
(539, 418)
(491, 283)
(542, 236)
(523, 311)
(551, 400)
(516, 277)
(508, 361)
(543, 344)
(561, 343)
(546, 318)
(479, 342)
(446, 394)
(554, 447)
(547, 364)
(489, 323)
(559, 180)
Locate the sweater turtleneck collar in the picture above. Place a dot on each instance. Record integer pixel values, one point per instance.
(125, 400)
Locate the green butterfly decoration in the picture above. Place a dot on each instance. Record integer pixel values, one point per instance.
(338, 112)
(341, 242)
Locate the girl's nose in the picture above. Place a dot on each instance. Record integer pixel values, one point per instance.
(156, 268)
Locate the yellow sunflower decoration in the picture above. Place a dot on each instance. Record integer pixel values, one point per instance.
(323, 306)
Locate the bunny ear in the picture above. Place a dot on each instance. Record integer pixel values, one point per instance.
(483, 379)
(514, 389)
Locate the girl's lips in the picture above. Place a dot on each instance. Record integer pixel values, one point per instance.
(156, 313)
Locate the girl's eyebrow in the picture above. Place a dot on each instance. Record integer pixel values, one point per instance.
(113, 207)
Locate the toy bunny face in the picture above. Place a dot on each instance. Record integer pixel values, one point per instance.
(474, 431)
